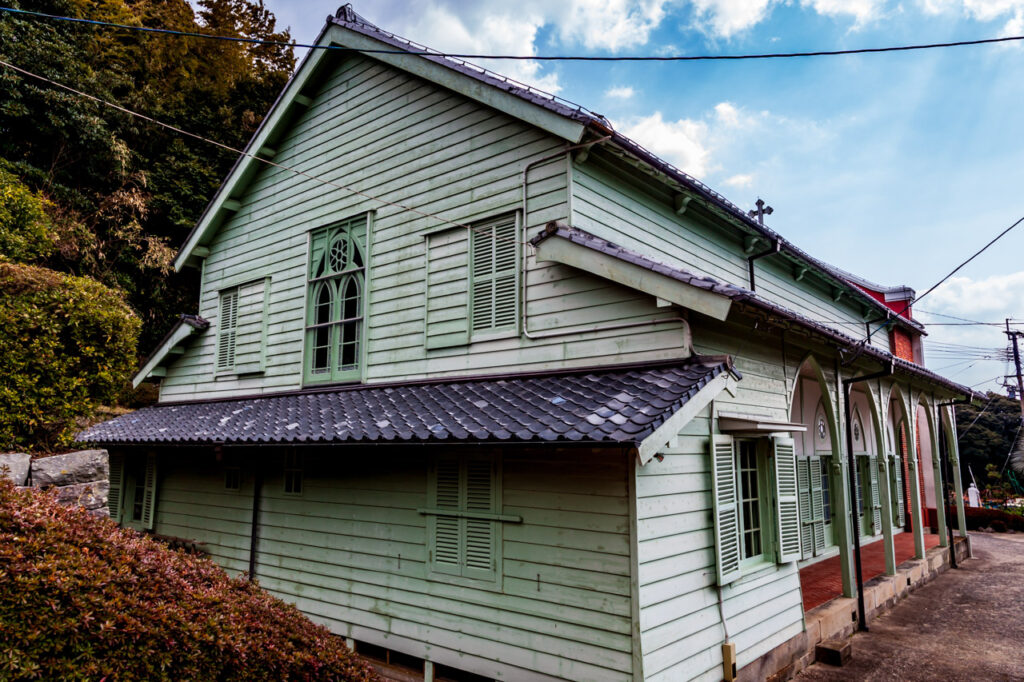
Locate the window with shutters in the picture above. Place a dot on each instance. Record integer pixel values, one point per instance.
(132, 497)
(227, 330)
(755, 495)
(336, 303)
(494, 277)
(464, 517)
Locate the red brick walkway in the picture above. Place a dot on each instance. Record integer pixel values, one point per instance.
(823, 581)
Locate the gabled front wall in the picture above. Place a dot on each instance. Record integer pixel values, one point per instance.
(394, 136)
(351, 552)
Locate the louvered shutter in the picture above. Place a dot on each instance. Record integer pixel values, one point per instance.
(898, 469)
(447, 529)
(818, 510)
(803, 481)
(724, 494)
(876, 506)
(786, 508)
(149, 492)
(494, 291)
(116, 463)
(479, 533)
(227, 326)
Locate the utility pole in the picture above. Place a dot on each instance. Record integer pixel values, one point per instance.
(1016, 363)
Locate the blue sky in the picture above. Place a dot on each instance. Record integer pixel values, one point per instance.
(894, 167)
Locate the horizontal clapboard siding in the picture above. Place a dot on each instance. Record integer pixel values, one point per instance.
(603, 203)
(351, 551)
(394, 136)
(680, 627)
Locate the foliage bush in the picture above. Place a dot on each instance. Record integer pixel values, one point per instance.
(980, 517)
(68, 343)
(81, 599)
(26, 234)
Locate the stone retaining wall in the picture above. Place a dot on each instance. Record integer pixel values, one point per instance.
(81, 478)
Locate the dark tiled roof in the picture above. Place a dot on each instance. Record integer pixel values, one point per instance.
(614, 406)
(742, 296)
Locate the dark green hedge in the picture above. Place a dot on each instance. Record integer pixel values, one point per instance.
(26, 233)
(82, 599)
(67, 344)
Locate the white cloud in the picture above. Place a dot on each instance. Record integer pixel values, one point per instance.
(683, 142)
(739, 181)
(607, 24)
(1011, 12)
(862, 11)
(729, 17)
(620, 92)
(728, 114)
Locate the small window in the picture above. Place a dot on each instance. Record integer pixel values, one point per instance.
(132, 497)
(494, 276)
(293, 473)
(232, 473)
(751, 500)
(227, 325)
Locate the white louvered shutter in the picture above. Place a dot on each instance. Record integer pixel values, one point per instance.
(494, 276)
(787, 511)
(227, 329)
(876, 506)
(116, 463)
(818, 510)
(726, 509)
(479, 533)
(803, 481)
(447, 535)
(898, 468)
(149, 492)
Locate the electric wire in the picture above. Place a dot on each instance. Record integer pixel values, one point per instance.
(575, 58)
(964, 432)
(201, 138)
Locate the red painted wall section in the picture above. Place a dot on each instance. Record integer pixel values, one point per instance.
(901, 345)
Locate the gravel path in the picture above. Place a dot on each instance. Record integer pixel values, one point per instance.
(967, 624)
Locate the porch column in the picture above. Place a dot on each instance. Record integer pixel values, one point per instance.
(915, 485)
(842, 524)
(958, 486)
(885, 495)
(940, 490)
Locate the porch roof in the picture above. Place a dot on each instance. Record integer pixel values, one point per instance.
(615, 405)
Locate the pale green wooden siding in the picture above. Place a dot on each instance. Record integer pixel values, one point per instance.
(680, 627)
(192, 504)
(394, 136)
(447, 322)
(351, 552)
(603, 203)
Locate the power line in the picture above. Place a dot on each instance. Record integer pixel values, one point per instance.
(565, 58)
(242, 152)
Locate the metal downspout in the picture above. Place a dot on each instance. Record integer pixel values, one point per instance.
(522, 289)
(254, 535)
(862, 622)
(774, 248)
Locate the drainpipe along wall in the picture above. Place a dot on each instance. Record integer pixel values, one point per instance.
(774, 248)
(862, 623)
(585, 146)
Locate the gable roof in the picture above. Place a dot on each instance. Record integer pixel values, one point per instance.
(547, 111)
(615, 406)
(750, 299)
(184, 328)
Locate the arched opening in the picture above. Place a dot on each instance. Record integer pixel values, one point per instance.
(898, 452)
(811, 406)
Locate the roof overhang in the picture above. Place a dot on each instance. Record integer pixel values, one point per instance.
(170, 348)
(667, 434)
(751, 424)
(564, 246)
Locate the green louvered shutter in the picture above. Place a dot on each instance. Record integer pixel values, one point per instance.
(817, 505)
(494, 290)
(901, 512)
(876, 506)
(116, 463)
(227, 326)
(724, 493)
(447, 535)
(149, 492)
(786, 508)
(479, 533)
(803, 481)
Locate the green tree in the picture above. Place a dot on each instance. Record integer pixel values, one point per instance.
(987, 431)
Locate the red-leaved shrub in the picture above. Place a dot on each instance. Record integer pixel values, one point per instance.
(982, 517)
(82, 599)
